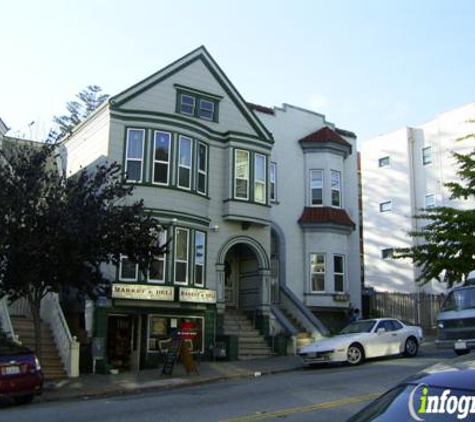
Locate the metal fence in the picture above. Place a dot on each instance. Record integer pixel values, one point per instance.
(413, 308)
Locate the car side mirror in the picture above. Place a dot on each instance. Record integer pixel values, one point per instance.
(380, 330)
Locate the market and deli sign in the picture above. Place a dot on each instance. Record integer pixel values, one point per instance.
(197, 295)
(138, 291)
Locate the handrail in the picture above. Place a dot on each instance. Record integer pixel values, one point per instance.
(5, 321)
(310, 319)
(284, 321)
(67, 344)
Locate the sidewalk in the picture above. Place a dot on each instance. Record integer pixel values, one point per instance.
(88, 385)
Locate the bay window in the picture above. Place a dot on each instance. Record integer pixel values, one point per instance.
(202, 166)
(260, 178)
(184, 162)
(273, 181)
(316, 187)
(128, 270)
(156, 273)
(336, 188)
(181, 255)
(339, 273)
(200, 249)
(317, 270)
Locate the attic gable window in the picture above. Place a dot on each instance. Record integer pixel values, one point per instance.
(192, 102)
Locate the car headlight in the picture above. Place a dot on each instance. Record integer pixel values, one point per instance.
(37, 363)
(441, 325)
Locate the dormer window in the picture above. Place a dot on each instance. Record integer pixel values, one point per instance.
(192, 102)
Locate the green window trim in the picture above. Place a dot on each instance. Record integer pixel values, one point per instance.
(197, 104)
(252, 181)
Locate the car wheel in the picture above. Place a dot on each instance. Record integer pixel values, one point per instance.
(411, 347)
(462, 352)
(355, 354)
(23, 399)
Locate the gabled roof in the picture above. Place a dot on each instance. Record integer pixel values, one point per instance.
(325, 134)
(3, 127)
(199, 54)
(313, 216)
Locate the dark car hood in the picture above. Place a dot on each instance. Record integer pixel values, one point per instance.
(457, 373)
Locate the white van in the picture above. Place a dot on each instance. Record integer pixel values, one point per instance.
(456, 319)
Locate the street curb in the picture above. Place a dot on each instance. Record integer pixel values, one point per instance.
(45, 398)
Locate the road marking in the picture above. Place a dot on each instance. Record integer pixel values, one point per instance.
(305, 409)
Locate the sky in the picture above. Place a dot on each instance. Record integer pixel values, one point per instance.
(369, 66)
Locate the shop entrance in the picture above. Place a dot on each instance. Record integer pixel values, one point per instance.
(123, 342)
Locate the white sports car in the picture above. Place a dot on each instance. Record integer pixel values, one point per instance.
(365, 339)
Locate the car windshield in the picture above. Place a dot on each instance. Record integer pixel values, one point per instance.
(364, 326)
(459, 300)
(406, 401)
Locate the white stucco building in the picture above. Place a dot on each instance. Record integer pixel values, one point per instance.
(404, 171)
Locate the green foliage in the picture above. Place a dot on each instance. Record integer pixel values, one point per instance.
(56, 232)
(445, 248)
(90, 99)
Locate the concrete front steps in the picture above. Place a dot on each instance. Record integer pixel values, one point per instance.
(51, 362)
(252, 345)
(303, 337)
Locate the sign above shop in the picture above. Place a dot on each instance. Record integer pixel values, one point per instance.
(142, 292)
(197, 295)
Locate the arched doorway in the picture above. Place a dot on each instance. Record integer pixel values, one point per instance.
(241, 278)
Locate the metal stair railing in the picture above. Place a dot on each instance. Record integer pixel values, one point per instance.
(5, 321)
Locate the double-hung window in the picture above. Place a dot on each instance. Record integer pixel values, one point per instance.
(316, 187)
(156, 273)
(128, 270)
(161, 158)
(429, 201)
(273, 181)
(206, 109)
(317, 272)
(202, 166)
(200, 250)
(134, 155)
(187, 104)
(184, 162)
(181, 255)
(384, 161)
(260, 178)
(336, 188)
(241, 174)
(426, 155)
(339, 273)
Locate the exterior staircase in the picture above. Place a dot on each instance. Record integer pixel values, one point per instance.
(51, 363)
(252, 345)
(303, 337)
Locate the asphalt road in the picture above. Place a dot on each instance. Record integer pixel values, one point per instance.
(312, 394)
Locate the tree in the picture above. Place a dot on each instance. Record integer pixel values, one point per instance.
(56, 232)
(446, 244)
(90, 99)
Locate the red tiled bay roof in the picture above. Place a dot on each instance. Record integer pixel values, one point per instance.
(325, 134)
(322, 215)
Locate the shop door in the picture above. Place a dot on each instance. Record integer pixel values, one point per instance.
(119, 341)
(135, 346)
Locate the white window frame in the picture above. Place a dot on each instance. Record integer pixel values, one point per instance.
(181, 261)
(127, 159)
(273, 181)
(163, 257)
(203, 265)
(263, 182)
(122, 257)
(190, 167)
(312, 187)
(427, 204)
(202, 172)
(338, 189)
(384, 161)
(342, 274)
(182, 95)
(312, 273)
(236, 151)
(426, 160)
(200, 108)
(154, 161)
(386, 204)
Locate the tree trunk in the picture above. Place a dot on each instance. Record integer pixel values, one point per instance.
(35, 307)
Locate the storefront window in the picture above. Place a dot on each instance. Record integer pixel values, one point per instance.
(162, 328)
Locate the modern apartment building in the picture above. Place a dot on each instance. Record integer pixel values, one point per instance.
(403, 172)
